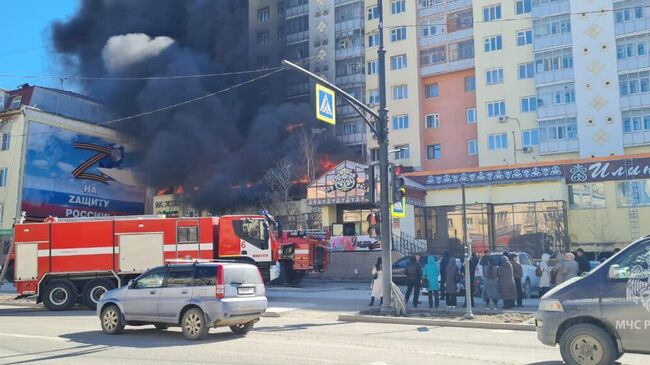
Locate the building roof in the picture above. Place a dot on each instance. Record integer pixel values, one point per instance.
(27, 91)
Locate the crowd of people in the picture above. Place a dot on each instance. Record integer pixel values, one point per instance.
(502, 277)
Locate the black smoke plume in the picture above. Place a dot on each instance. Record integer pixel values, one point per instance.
(209, 146)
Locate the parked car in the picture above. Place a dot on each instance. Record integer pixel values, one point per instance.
(399, 268)
(193, 296)
(598, 317)
(529, 282)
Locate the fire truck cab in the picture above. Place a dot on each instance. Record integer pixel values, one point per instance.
(65, 261)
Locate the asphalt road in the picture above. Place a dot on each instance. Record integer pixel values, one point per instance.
(306, 331)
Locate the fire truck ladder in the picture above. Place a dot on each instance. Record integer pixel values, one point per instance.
(5, 263)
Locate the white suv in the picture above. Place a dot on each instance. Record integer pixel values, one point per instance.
(529, 281)
(194, 296)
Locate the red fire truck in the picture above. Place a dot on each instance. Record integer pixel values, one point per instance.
(65, 261)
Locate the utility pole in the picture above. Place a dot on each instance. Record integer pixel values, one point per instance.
(384, 204)
(380, 130)
(468, 254)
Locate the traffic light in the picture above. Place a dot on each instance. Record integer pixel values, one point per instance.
(399, 191)
(370, 185)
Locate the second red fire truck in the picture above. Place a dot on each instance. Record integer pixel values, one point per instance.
(65, 261)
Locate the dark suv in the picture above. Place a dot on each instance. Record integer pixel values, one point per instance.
(598, 317)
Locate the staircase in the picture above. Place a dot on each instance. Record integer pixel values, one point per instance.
(407, 244)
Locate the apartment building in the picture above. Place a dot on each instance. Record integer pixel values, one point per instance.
(324, 37)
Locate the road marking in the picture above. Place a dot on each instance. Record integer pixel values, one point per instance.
(52, 338)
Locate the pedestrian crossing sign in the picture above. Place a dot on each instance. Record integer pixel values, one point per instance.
(325, 104)
(398, 209)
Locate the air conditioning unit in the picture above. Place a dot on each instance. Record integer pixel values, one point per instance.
(503, 119)
(527, 149)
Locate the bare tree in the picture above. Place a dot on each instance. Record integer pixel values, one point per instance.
(280, 178)
(309, 143)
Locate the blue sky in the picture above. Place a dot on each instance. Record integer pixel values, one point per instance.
(25, 44)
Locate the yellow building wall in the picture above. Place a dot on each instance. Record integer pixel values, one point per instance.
(511, 90)
(328, 214)
(499, 194)
(406, 76)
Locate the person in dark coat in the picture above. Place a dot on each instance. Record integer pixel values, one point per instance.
(451, 282)
(413, 277)
(491, 287)
(507, 289)
(443, 272)
(584, 266)
(518, 274)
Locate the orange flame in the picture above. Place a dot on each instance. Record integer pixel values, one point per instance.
(291, 127)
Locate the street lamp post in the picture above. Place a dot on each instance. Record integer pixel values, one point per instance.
(380, 130)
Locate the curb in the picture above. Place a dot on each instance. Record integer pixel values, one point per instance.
(18, 304)
(436, 322)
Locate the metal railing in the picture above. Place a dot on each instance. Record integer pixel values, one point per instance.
(408, 245)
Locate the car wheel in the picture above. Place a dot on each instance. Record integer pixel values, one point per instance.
(112, 321)
(161, 327)
(194, 325)
(242, 329)
(60, 295)
(93, 291)
(527, 288)
(586, 344)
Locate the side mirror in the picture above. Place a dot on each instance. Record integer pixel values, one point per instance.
(131, 284)
(614, 272)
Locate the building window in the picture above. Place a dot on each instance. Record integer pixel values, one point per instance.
(402, 152)
(553, 26)
(634, 83)
(524, 37)
(432, 26)
(528, 104)
(523, 6)
(431, 90)
(498, 141)
(427, 3)
(554, 60)
(461, 51)
(263, 14)
(6, 138)
(433, 56)
(16, 101)
(400, 121)
(432, 120)
(637, 120)
(494, 76)
(631, 49)
(3, 176)
(629, 14)
(586, 196)
(398, 62)
(470, 83)
(374, 154)
(530, 137)
(559, 129)
(471, 115)
(433, 152)
(493, 43)
(496, 109)
(373, 97)
(281, 9)
(632, 193)
(398, 34)
(491, 13)
(556, 95)
(373, 12)
(526, 71)
(373, 40)
(263, 38)
(472, 147)
(400, 92)
(372, 67)
(397, 6)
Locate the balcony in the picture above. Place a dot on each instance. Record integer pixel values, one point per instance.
(633, 26)
(553, 8)
(552, 41)
(298, 89)
(297, 37)
(554, 76)
(444, 8)
(341, 2)
(347, 80)
(633, 63)
(354, 51)
(349, 25)
(447, 67)
(297, 11)
(345, 110)
(443, 38)
(636, 138)
(554, 111)
(635, 101)
(558, 146)
(352, 138)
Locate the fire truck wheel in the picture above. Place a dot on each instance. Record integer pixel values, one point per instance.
(242, 329)
(112, 321)
(194, 325)
(294, 278)
(60, 295)
(282, 276)
(93, 290)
